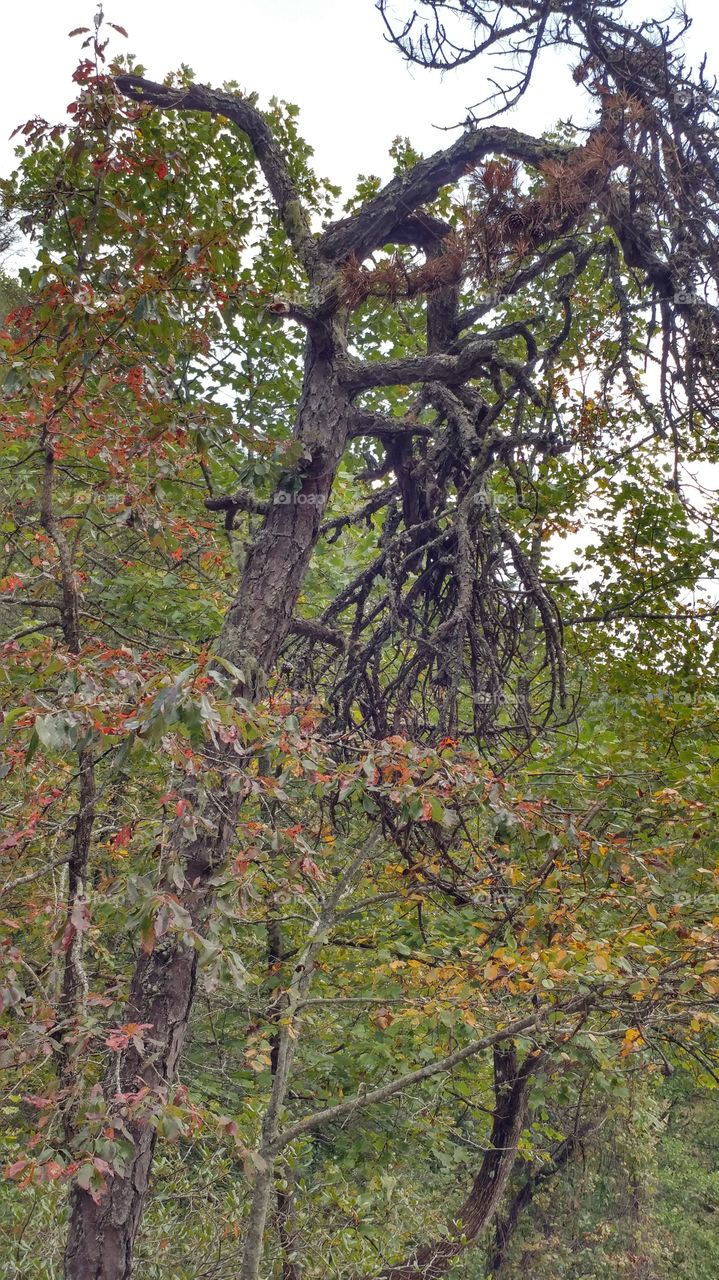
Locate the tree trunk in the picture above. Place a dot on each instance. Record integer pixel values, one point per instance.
(433, 1260)
(506, 1225)
(101, 1235)
(287, 1229)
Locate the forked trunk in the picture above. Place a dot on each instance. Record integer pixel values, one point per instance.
(433, 1260)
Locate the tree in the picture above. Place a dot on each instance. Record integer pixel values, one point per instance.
(626, 1181)
(433, 401)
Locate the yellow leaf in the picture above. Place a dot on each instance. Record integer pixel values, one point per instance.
(633, 1039)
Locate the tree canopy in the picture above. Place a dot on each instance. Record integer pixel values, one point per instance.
(358, 822)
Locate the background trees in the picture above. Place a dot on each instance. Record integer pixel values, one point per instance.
(327, 777)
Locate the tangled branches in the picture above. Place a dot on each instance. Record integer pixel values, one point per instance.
(436, 627)
(450, 626)
(662, 200)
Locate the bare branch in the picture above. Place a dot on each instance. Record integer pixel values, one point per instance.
(382, 427)
(253, 124)
(386, 1091)
(384, 217)
(358, 375)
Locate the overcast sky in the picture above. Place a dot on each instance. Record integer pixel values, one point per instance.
(328, 56)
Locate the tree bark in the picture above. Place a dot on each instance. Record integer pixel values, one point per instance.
(287, 1229)
(506, 1225)
(512, 1083)
(101, 1235)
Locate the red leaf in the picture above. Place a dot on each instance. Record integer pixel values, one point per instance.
(121, 30)
(310, 868)
(77, 31)
(117, 1040)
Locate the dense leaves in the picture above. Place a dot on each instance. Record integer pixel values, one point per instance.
(458, 927)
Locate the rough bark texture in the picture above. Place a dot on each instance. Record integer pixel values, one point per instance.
(511, 1089)
(506, 1225)
(287, 1231)
(74, 982)
(101, 1237)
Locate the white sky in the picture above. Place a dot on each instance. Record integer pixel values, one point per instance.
(328, 56)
